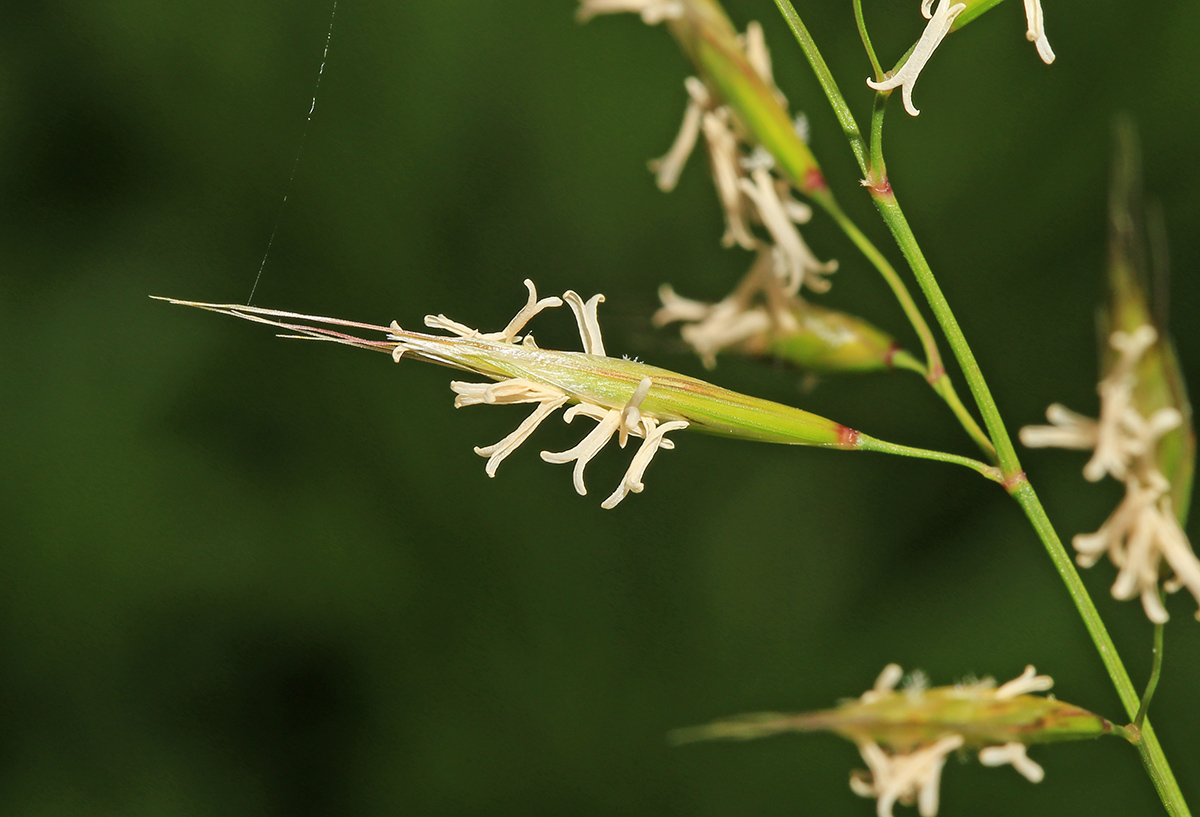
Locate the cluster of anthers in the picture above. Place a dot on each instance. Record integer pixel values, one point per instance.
(940, 22)
(749, 191)
(629, 420)
(1144, 531)
(750, 194)
(914, 775)
(758, 306)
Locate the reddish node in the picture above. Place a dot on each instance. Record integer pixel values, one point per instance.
(1012, 483)
(881, 189)
(890, 353)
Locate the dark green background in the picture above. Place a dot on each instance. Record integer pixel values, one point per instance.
(244, 576)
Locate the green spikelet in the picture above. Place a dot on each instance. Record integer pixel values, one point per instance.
(710, 41)
(830, 341)
(981, 713)
(1130, 305)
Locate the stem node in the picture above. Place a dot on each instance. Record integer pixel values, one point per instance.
(1012, 483)
(879, 186)
(814, 182)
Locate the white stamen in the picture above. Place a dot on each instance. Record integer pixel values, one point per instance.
(755, 44)
(1012, 753)
(1037, 31)
(1121, 433)
(1091, 546)
(652, 11)
(589, 324)
(725, 159)
(632, 481)
(727, 327)
(1068, 430)
(916, 775)
(554, 378)
(794, 260)
(454, 327)
(503, 392)
(759, 58)
(1142, 533)
(1177, 551)
(802, 128)
(797, 211)
(915, 685)
(631, 415)
(668, 167)
(913, 774)
(588, 447)
(498, 451)
(399, 351)
(598, 413)
(760, 157)
(677, 308)
(1026, 682)
(885, 684)
(738, 318)
(1121, 438)
(531, 308)
(936, 31)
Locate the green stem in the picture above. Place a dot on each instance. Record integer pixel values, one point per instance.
(873, 444)
(1014, 478)
(879, 174)
(828, 84)
(933, 358)
(893, 216)
(945, 388)
(875, 172)
(866, 38)
(935, 371)
(904, 360)
(1155, 673)
(1148, 746)
(866, 443)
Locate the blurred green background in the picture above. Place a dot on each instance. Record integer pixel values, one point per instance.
(243, 576)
